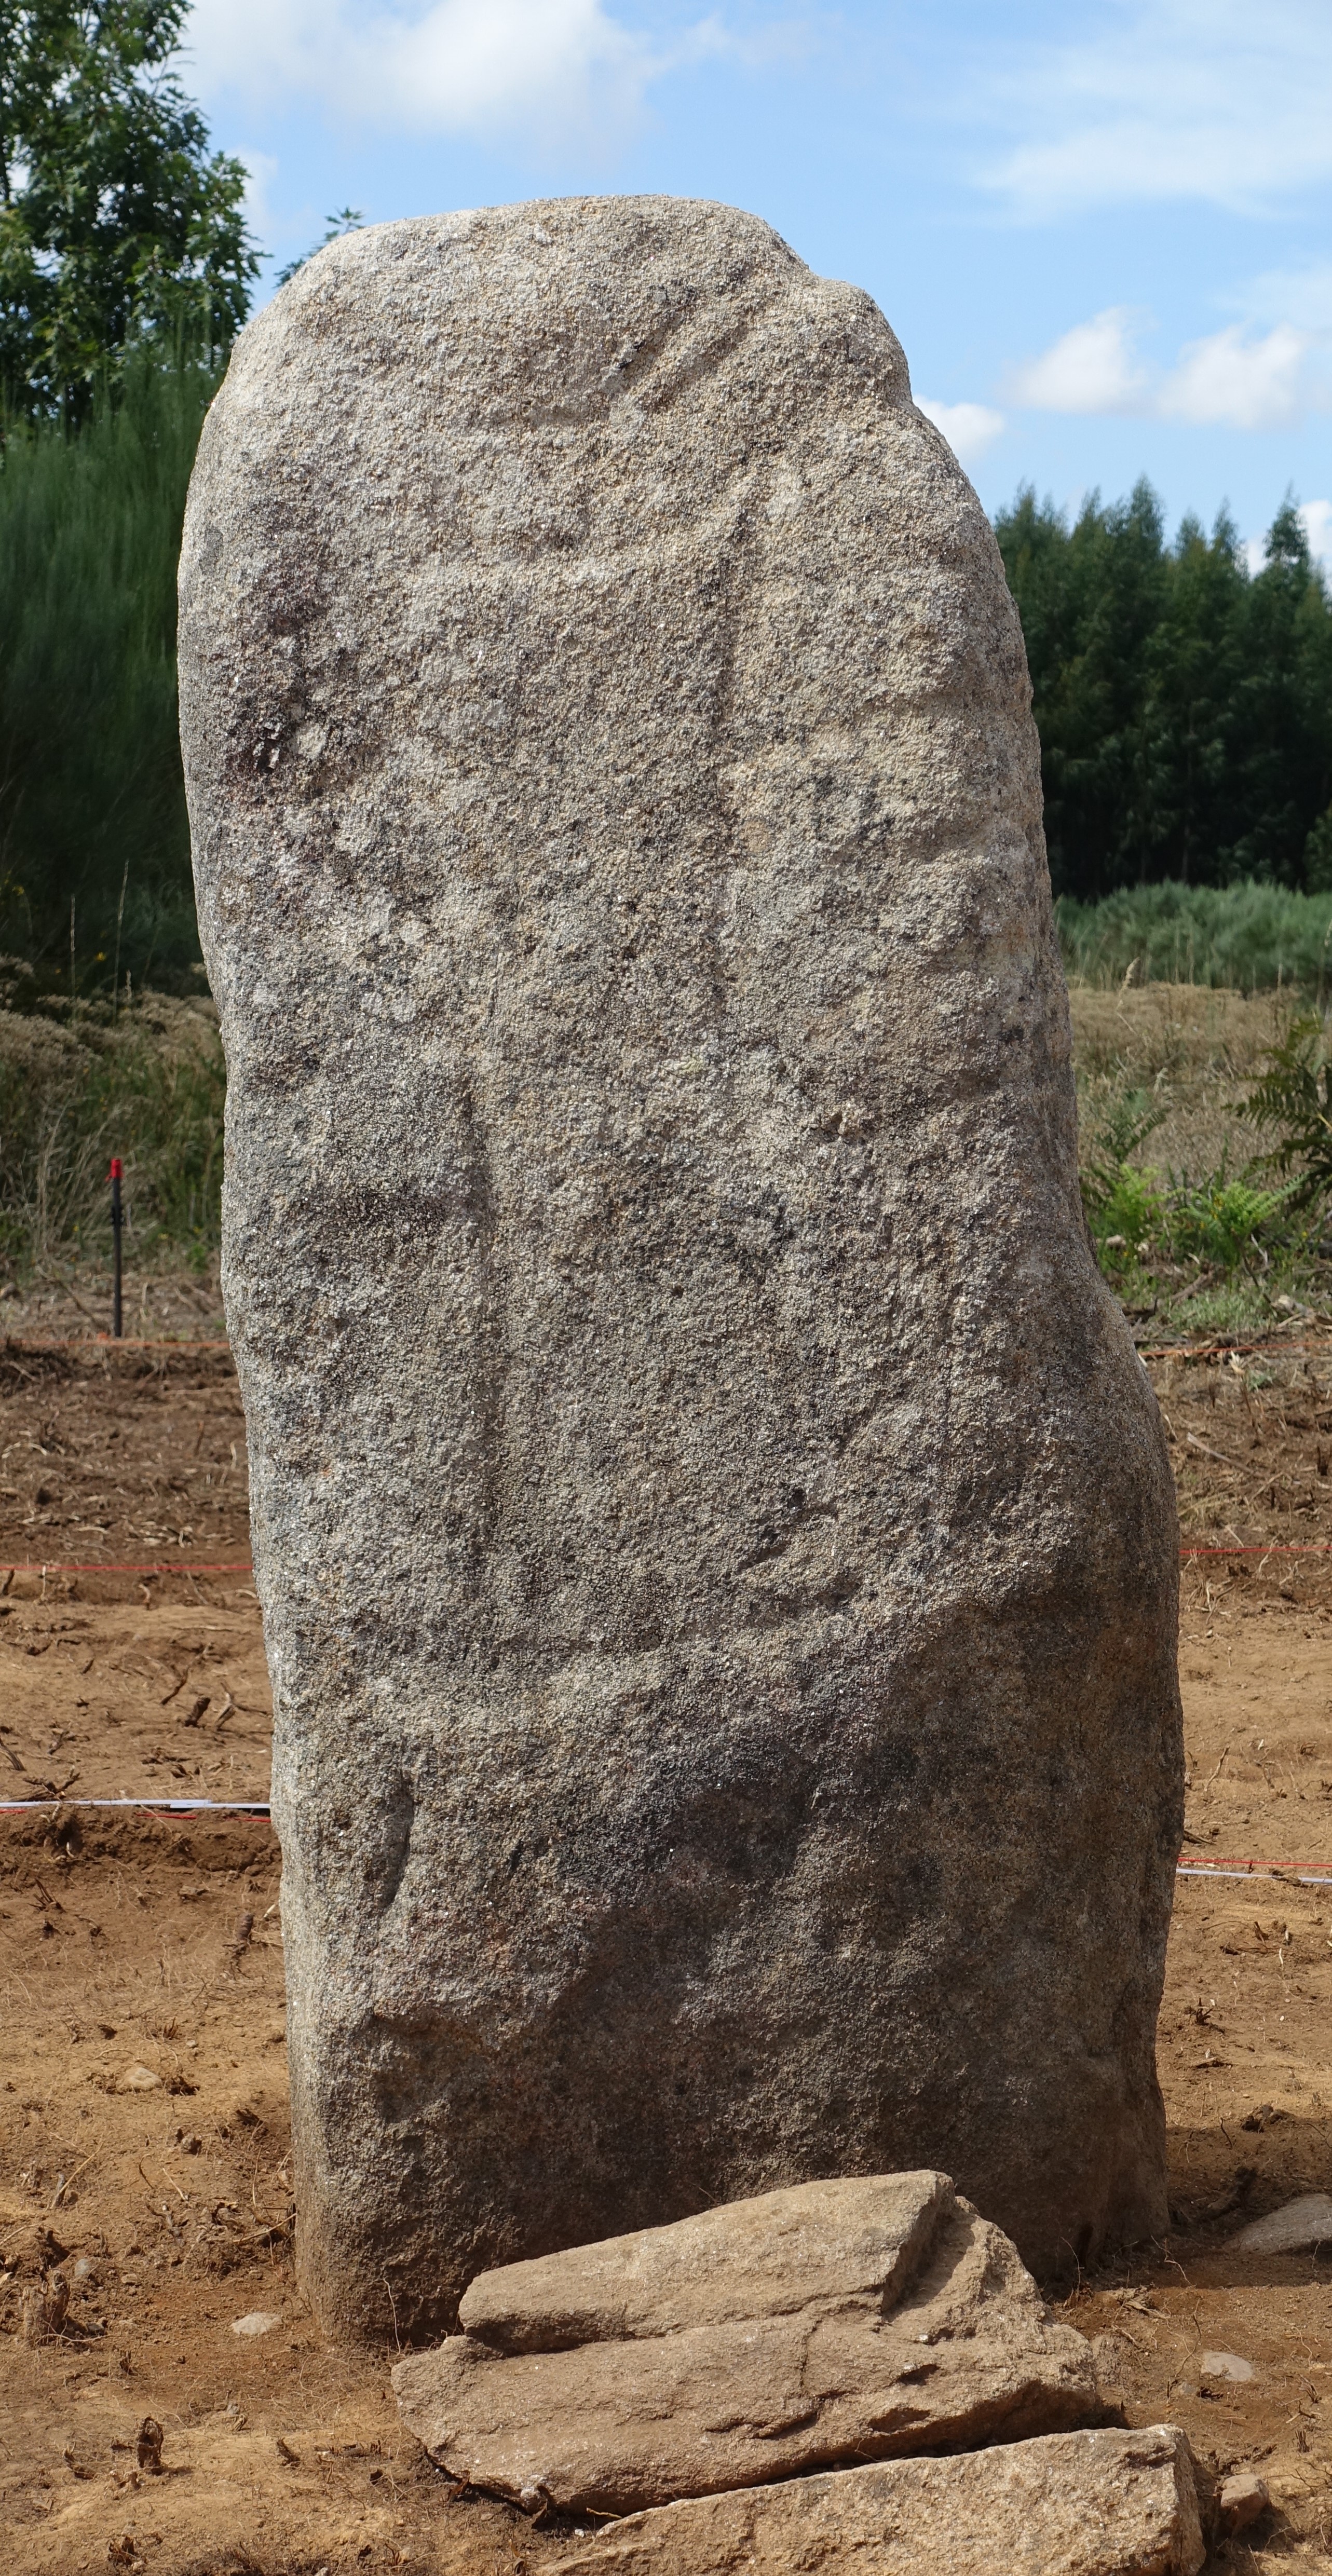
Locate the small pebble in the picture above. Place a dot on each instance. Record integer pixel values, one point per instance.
(1240, 2500)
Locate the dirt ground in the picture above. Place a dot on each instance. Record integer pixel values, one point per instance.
(143, 2122)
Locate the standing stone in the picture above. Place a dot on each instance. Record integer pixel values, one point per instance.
(715, 1538)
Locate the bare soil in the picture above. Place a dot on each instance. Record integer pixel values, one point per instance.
(116, 1684)
(143, 2107)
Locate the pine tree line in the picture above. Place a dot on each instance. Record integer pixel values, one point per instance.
(1184, 704)
(94, 839)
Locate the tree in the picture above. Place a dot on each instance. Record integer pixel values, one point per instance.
(1091, 600)
(92, 801)
(1184, 705)
(117, 223)
(1283, 758)
(1191, 671)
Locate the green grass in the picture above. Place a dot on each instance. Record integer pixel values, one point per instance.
(1248, 937)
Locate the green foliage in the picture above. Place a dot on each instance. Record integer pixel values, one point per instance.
(1126, 1215)
(1222, 1220)
(348, 219)
(1318, 856)
(92, 801)
(1294, 1096)
(116, 222)
(1184, 705)
(1128, 1122)
(1247, 937)
(1122, 1201)
(1142, 1219)
(125, 270)
(148, 1086)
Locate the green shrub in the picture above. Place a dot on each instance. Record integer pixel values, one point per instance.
(1221, 1220)
(1248, 937)
(1128, 1217)
(1142, 1219)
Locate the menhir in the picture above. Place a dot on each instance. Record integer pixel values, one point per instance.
(715, 1538)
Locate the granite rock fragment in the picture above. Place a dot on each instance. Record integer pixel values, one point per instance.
(1302, 2226)
(1074, 2504)
(1241, 2500)
(847, 2320)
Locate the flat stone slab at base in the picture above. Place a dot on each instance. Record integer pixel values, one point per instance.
(1302, 2227)
(1077, 2504)
(843, 2320)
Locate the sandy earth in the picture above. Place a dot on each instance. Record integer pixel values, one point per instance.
(143, 2088)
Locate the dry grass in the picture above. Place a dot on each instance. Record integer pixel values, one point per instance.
(1196, 1049)
(76, 1089)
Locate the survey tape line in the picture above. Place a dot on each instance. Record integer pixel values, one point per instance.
(1230, 1860)
(110, 1342)
(169, 1342)
(1255, 1869)
(1249, 1354)
(166, 1565)
(1267, 1547)
(147, 1806)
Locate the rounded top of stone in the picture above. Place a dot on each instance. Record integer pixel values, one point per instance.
(577, 302)
(542, 231)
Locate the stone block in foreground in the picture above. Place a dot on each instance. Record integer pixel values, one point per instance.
(715, 1538)
(1074, 2504)
(844, 2320)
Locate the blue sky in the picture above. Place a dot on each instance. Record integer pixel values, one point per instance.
(1099, 229)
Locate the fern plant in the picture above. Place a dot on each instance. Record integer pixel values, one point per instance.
(1294, 1096)
(1122, 1200)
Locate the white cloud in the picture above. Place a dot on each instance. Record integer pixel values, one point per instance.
(1170, 99)
(1091, 369)
(968, 427)
(1231, 380)
(1239, 383)
(453, 66)
(1317, 517)
(1289, 295)
(261, 170)
(1300, 296)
